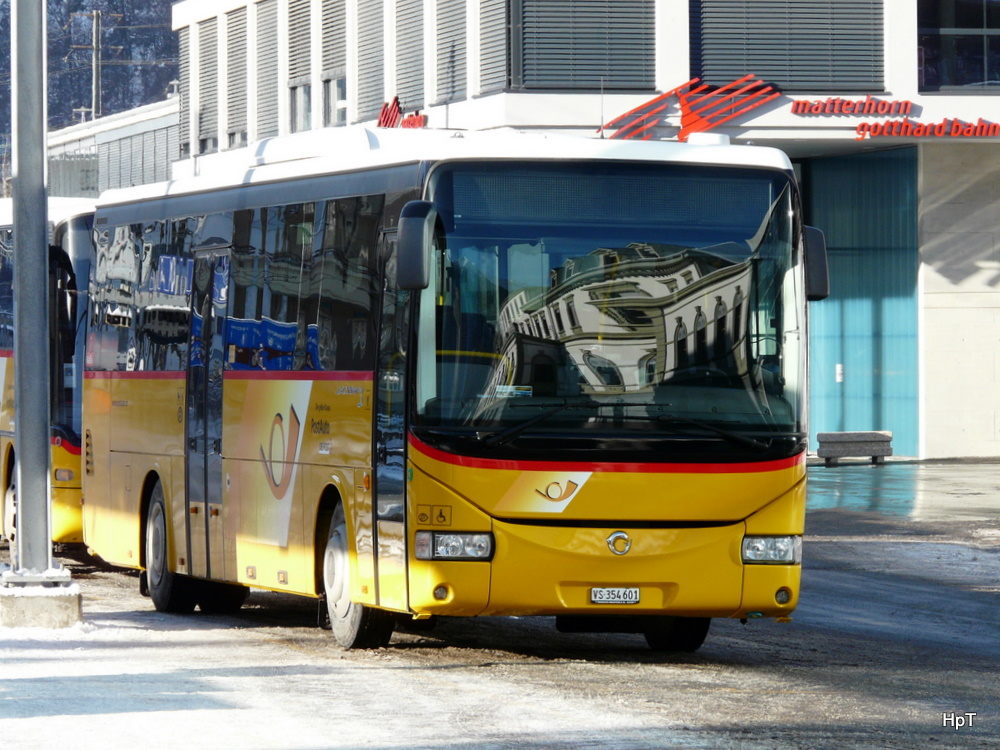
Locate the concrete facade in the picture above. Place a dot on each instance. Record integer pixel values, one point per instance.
(960, 298)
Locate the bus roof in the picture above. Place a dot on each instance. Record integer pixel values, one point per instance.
(60, 209)
(338, 150)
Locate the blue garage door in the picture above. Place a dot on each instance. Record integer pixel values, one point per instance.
(864, 336)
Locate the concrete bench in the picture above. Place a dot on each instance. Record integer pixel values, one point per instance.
(836, 445)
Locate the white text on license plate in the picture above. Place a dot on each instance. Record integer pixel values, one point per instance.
(614, 596)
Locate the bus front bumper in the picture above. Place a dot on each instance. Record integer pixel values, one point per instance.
(548, 570)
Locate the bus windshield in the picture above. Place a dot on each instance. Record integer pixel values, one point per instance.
(610, 301)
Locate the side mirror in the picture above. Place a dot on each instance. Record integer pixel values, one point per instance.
(817, 270)
(414, 240)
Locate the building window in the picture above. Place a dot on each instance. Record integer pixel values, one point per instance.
(208, 86)
(208, 145)
(803, 46)
(300, 107)
(334, 102)
(959, 44)
(237, 83)
(582, 44)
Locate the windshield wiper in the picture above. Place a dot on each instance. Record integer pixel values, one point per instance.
(494, 439)
(733, 437)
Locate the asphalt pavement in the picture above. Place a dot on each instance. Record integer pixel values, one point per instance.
(895, 636)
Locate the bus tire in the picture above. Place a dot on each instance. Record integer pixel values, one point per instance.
(354, 625)
(221, 598)
(678, 634)
(169, 591)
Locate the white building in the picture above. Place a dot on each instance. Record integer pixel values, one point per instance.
(135, 147)
(889, 108)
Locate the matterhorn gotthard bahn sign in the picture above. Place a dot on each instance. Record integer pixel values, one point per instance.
(703, 107)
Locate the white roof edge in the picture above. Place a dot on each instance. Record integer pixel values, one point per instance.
(333, 150)
(59, 209)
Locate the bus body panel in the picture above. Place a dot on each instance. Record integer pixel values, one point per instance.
(66, 514)
(286, 439)
(98, 531)
(132, 434)
(546, 570)
(550, 569)
(360, 529)
(147, 412)
(594, 491)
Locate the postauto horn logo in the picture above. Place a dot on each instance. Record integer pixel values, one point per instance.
(703, 107)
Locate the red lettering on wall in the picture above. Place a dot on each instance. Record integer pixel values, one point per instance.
(837, 106)
(416, 120)
(906, 128)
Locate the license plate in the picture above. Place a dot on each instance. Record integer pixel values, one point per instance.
(614, 596)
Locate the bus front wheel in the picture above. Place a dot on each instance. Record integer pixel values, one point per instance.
(354, 625)
(169, 591)
(678, 634)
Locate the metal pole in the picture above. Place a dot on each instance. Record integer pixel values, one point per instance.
(95, 93)
(31, 254)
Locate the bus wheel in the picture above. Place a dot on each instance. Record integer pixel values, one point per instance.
(170, 592)
(673, 634)
(221, 598)
(354, 625)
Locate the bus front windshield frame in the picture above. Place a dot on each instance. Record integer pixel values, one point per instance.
(642, 308)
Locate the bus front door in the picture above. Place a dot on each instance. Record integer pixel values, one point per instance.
(209, 293)
(390, 437)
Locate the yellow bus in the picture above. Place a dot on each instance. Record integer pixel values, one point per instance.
(70, 221)
(423, 373)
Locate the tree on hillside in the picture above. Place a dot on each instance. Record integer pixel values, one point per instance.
(138, 59)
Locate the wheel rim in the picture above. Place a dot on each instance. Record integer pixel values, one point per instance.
(335, 571)
(156, 540)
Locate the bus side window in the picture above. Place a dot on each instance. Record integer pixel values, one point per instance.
(300, 228)
(164, 317)
(280, 307)
(246, 266)
(343, 327)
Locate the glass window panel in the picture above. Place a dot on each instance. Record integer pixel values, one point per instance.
(951, 14)
(950, 60)
(993, 14)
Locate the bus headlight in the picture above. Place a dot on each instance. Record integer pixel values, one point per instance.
(765, 550)
(450, 545)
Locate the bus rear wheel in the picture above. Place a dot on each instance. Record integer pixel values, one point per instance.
(677, 634)
(169, 591)
(354, 625)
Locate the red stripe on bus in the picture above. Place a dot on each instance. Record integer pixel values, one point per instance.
(132, 375)
(298, 375)
(73, 450)
(632, 468)
(234, 375)
(6, 352)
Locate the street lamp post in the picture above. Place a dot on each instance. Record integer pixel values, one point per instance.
(33, 575)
